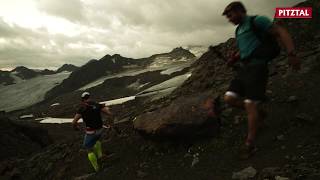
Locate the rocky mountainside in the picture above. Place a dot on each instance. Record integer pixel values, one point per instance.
(24, 73)
(90, 72)
(114, 64)
(19, 140)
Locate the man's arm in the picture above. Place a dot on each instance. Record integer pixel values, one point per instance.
(75, 121)
(233, 57)
(283, 35)
(106, 111)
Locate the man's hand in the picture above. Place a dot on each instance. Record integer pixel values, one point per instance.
(75, 126)
(106, 126)
(75, 122)
(294, 62)
(233, 57)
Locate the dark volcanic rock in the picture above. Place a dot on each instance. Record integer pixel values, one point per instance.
(186, 116)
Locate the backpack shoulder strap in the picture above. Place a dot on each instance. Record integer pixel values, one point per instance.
(236, 32)
(255, 29)
(253, 25)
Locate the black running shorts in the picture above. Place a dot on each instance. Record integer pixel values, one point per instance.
(250, 82)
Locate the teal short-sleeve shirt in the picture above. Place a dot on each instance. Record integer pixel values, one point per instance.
(247, 41)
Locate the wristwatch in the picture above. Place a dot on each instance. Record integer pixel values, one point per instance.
(292, 53)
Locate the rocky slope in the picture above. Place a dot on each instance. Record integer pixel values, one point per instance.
(18, 140)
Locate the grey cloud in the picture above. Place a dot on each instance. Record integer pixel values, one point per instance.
(33, 48)
(72, 10)
(5, 30)
(182, 16)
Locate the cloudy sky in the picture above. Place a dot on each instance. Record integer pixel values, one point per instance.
(49, 33)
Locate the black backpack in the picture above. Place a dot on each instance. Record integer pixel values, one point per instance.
(269, 47)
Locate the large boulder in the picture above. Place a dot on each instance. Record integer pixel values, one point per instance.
(185, 116)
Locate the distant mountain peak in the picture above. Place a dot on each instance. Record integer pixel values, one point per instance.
(20, 68)
(67, 67)
(116, 55)
(24, 73)
(179, 49)
(181, 52)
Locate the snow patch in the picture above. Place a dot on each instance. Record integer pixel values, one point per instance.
(69, 120)
(160, 63)
(119, 75)
(26, 116)
(118, 101)
(198, 51)
(174, 69)
(171, 83)
(51, 120)
(137, 85)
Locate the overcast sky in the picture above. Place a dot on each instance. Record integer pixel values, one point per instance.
(49, 33)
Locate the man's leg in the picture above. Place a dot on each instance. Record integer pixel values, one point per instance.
(233, 99)
(255, 88)
(98, 149)
(251, 108)
(88, 143)
(93, 160)
(98, 145)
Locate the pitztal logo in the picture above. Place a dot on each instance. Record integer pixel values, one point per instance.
(301, 12)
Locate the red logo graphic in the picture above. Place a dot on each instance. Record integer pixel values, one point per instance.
(301, 12)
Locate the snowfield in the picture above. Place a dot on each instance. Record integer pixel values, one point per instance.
(165, 87)
(167, 65)
(27, 93)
